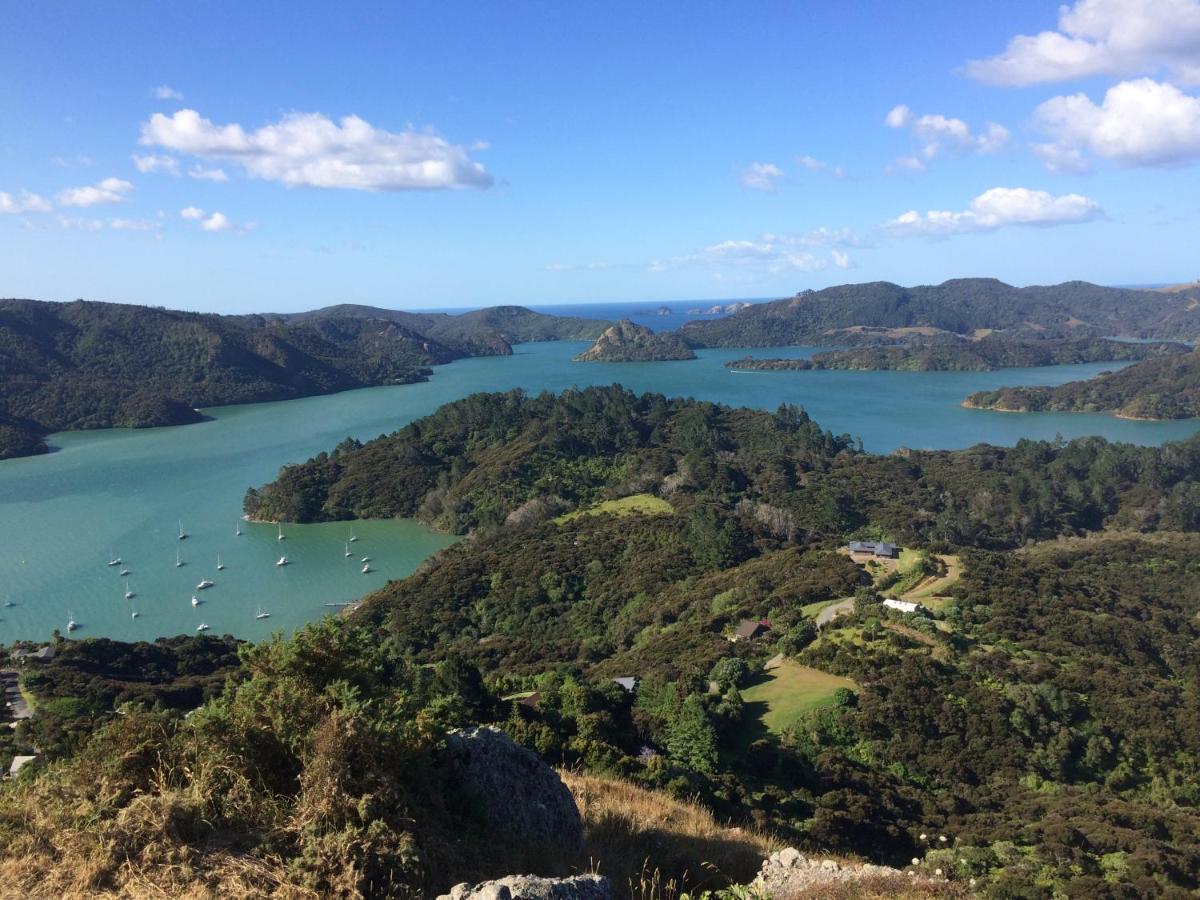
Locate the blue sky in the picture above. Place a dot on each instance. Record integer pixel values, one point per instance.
(282, 156)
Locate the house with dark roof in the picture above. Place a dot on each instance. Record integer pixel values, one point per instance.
(880, 549)
(749, 629)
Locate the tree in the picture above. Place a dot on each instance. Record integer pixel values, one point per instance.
(691, 739)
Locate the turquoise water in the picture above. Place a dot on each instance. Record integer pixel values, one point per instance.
(123, 492)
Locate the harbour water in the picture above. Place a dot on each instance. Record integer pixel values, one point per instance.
(123, 492)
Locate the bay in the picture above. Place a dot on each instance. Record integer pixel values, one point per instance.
(123, 492)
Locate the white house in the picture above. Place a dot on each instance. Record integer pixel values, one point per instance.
(903, 605)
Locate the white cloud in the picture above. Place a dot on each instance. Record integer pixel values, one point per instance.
(1139, 123)
(203, 174)
(761, 177)
(131, 225)
(1103, 37)
(83, 224)
(192, 212)
(25, 202)
(216, 222)
(841, 260)
(110, 190)
(577, 267)
(311, 150)
(934, 135)
(998, 208)
(816, 165)
(770, 254)
(166, 92)
(152, 163)
(898, 117)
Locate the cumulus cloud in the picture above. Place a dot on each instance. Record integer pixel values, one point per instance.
(202, 174)
(192, 212)
(841, 260)
(1139, 123)
(761, 177)
(311, 150)
(24, 202)
(217, 222)
(166, 92)
(769, 254)
(934, 135)
(151, 163)
(998, 208)
(813, 164)
(1103, 37)
(214, 222)
(110, 190)
(131, 225)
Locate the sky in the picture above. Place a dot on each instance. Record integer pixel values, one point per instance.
(238, 157)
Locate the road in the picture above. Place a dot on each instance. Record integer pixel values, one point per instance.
(829, 613)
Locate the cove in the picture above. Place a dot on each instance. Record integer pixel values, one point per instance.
(124, 492)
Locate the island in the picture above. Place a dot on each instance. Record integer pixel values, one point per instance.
(663, 311)
(1156, 389)
(718, 309)
(82, 365)
(955, 354)
(628, 342)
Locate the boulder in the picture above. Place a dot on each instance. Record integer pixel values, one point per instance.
(530, 887)
(516, 791)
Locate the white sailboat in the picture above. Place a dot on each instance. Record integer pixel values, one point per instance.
(202, 627)
(365, 559)
(124, 573)
(129, 594)
(352, 537)
(8, 603)
(262, 614)
(134, 614)
(366, 568)
(347, 551)
(196, 601)
(238, 531)
(113, 560)
(71, 623)
(182, 533)
(281, 535)
(220, 565)
(282, 561)
(204, 585)
(178, 560)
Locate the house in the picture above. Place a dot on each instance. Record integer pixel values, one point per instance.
(880, 549)
(630, 683)
(749, 629)
(532, 700)
(904, 606)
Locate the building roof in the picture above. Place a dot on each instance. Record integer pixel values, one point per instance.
(902, 605)
(630, 682)
(749, 628)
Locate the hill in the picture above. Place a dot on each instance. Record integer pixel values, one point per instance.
(955, 354)
(1164, 388)
(857, 313)
(100, 365)
(628, 342)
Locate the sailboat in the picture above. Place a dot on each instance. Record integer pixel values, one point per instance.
(262, 614)
(182, 533)
(352, 537)
(113, 560)
(204, 584)
(366, 568)
(124, 573)
(178, 561)
(282, 561)
(8, 603)
(238, 532)
(71, 623)
(347, 551)
(129, 594)
(365, 559)
(196, 601)
(220, 565)
(281, 534)
(134, 614)
(202, 627)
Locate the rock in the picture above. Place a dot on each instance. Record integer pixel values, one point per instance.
(789, 874)
(628, 342)
(516, 790)
(530, 887)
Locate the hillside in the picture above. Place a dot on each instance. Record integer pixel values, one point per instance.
(856, 313)
(100, 365)
(628, 342)
(1164, 388)
(955, 354)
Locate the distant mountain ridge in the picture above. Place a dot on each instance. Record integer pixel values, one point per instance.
(858, 313)
(97, 365)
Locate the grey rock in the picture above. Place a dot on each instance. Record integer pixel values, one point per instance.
(530, 887)
(515, 789)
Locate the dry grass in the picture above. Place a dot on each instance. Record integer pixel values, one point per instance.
(633, 834)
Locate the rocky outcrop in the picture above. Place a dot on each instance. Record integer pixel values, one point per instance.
(530, 887)
(628, 342)
(789, 873)
(515, 790)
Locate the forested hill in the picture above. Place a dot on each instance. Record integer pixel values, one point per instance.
(97, 365)
(1166, 388)
(862, 312)
(483, 459)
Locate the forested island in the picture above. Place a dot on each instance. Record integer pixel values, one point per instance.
(1037, 709)
(955, 354)
(626, 341)
(79, 365)
(881, 311)
(1158, 388)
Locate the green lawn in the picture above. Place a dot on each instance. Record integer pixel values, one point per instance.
(645, 504)
(781, 696)
(811, 609)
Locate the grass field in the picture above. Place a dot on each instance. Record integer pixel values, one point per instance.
(785, 693)
(643, 504)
